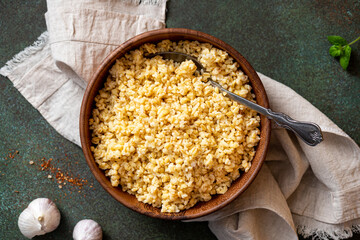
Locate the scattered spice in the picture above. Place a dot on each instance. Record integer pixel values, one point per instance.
(62, 178)
(31, 162)
(16, 191)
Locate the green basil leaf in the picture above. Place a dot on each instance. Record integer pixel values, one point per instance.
(335, 50)
(345, 57)
(337, 40)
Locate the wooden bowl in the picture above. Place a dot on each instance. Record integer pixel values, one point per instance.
(97, 82)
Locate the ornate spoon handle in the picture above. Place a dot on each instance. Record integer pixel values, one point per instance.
(310, 133)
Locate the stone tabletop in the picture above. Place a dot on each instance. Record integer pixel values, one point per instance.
(285, 40)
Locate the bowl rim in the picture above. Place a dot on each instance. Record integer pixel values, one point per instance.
(98, 79)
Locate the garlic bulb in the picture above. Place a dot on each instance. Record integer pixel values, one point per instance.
(40, 217)
(87, 229)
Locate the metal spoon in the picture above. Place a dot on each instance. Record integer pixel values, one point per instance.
(310, 133)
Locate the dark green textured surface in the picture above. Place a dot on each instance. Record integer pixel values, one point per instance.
(285, 40)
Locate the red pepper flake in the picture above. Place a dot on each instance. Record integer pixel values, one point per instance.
(46, 164)
(12, 154)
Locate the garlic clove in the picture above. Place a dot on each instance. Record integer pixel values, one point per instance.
(87, 229)
(29, 225)
(40, 217)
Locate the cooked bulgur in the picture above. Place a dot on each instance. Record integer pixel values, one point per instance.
(167, 137)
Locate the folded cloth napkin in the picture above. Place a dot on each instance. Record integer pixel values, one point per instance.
(309, 190)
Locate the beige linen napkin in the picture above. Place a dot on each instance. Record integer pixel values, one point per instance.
(312, 190)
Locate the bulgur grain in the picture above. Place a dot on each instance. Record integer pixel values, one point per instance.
(164, 135)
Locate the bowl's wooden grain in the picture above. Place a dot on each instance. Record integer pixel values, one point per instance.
(96, 83)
